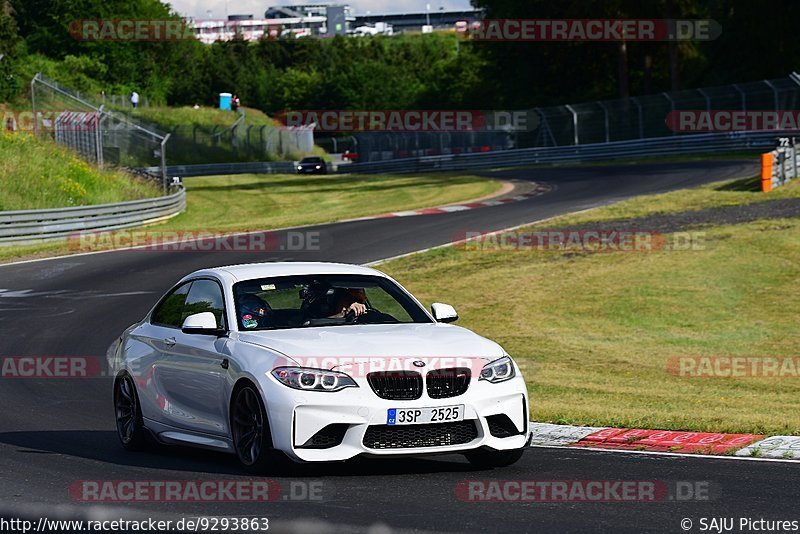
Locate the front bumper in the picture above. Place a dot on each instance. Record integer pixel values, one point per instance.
(311, 170)
(297, 416)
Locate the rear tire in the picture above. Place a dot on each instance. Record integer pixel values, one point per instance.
(250, 431)
(130, 425)
(488, 459)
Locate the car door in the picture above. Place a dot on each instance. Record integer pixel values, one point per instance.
(152, 340)
(190, 376)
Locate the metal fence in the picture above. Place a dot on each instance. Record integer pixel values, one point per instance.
(333, 144)
(589, 123)
(644, 117)
(100, 135)
(195, 144)
(120, 101)
(665, 146)
(381, 146)
(80, 131)
(36, 226)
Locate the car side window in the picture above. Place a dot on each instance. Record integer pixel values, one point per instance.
(169, 312)
(205, 296)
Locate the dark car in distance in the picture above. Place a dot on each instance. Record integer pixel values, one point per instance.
(312, 165)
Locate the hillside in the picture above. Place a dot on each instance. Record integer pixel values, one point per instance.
(39, 174)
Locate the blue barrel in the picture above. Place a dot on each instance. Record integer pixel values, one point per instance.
(225, 101)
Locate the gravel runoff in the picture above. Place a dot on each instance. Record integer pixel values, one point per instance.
(675, 222)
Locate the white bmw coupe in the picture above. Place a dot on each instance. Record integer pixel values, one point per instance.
(317, 362)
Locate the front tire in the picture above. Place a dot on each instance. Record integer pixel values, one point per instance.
(252, 439)
(484, 459)
(130, 425)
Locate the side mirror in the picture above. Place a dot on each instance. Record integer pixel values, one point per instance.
(202, 323)
(444, 313)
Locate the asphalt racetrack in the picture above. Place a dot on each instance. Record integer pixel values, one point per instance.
(56, 432)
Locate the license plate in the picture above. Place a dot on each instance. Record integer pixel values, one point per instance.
(414, 416)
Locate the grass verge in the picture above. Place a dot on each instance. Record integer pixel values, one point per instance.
(38, 174)
(258, 202)
(594, 333)
(280, 200)
(203, 135)
(169, 117)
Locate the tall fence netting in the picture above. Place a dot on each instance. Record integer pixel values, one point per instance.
(605, 121)
(100, 135)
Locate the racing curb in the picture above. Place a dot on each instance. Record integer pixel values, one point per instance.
(665, 441)
(539, 189)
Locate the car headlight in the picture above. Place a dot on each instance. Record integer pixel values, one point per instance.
(308, 379)
(498, 370)
(318, 167)
(299, 168)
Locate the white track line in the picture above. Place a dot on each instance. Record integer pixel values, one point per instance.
(448, 208)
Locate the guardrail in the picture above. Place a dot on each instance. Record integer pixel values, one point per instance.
(780, 165)
(212, 169)
(37, 226)
(676, 145)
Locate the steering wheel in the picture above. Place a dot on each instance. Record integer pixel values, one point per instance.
(350, 316)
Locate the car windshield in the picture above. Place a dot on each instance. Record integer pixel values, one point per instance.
(311, 160)
(322, 300)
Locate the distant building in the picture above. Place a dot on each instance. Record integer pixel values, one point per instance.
(336, 23)
(321, 19)
(327, 20)
(413, 22)
(304, 10)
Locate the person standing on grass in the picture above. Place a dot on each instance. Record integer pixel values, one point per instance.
(134, 99)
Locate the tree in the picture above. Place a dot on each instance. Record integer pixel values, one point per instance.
(10, 50)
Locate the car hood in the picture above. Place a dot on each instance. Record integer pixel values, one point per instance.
(364, 342)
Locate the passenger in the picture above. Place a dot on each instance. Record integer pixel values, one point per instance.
(255, 312)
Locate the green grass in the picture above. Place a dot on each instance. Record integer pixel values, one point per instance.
(169, 117)
(254, 202)
(36, 174)
(731, 193)
(593, 333)
(261, 202)
(187, 146)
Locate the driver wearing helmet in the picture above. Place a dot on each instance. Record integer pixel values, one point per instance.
(254, 312)
(350, 299)
(320, 300)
